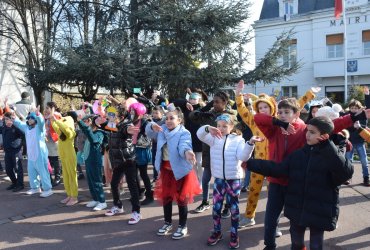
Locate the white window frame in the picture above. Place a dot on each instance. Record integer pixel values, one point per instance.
(289, 90)
(366, 48)
(334, 50)
(291, 56)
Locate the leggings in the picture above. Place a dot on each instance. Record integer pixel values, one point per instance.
(297, 237)
(230, 188)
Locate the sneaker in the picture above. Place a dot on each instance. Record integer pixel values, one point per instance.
(214, 238)
(80, 176)
(45, 194)
(225, 213)
(65, 200)
(72, 201)
(234, 242)
(180, 233)
(100, 206)
(202, 207)
(92, 203)
(33, 191)
(18, 188)
(167, 227)
(12, 186)
(135, 218)
(114, 210)
(278, 233)
(246, 222)
(243, 190)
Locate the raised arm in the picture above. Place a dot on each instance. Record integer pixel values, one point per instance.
(94, 138)
(204, 135)
(308, 96)
(60, 126)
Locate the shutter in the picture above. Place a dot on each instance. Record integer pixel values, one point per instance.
(334, 39)
(366, 36)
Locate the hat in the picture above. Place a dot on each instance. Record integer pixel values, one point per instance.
(266, 99)
(31, 115)
(331, 112)
(25, 94)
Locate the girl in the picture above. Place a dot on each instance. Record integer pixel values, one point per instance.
(142, 149)
(174, 159)
(227, 150)
(65, 128)
(93, 159)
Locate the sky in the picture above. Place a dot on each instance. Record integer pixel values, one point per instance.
(255, 14)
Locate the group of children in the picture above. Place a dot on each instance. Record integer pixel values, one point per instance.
(303, 165)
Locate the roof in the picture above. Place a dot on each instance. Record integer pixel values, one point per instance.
(270, 8)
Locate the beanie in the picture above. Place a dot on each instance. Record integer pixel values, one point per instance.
(331, 112)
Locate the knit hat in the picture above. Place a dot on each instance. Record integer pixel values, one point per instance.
(266, 99)
(331, 112)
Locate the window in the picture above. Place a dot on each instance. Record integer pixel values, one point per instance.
(288, 7)
(334, 45)
(289, 91)
(366, 41)
(290, 56)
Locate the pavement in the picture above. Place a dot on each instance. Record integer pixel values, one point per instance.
(31, 222)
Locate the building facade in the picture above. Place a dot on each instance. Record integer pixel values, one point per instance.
(318, 44)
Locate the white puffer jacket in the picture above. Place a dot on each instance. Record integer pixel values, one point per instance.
(227, 154)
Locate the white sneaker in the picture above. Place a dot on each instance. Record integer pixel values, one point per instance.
(33, 191)
(45, 194)
(114, 210)
(92, 203)
(246, 222)
(278, 233)
(180, 233)
(135, 218)
(100, 206)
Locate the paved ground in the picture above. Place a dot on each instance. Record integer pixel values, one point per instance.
(30, 222)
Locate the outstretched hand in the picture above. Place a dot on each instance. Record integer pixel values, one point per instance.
(132, 130)
(156, 128)
(315, 89)
(190, 157)
(289, 131)
(255, 139)
(189, 106)
(215, 132)
(239, 87)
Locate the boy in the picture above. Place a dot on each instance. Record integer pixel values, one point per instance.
(12, 143)
(314, 173)
(286, 135)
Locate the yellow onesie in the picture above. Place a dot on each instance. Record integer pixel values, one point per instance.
(67, 154)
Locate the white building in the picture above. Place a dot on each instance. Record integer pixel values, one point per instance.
(318, 44)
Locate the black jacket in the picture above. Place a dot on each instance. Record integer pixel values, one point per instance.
(314, 172)
(12, 139)
(120, 145)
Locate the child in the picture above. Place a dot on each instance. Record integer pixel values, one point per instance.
(175, 159)
(266, 105)
(37, 153)
(142, 149)
(314, 173)
(219, 106)
(286, 135)
(65, 128)
(227, 150)
(122, 157)
(12, 144)
(52, 142)
(89, 125)
(358, 142)
(157, 117)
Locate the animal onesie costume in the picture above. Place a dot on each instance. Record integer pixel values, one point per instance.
(67, 153)
(37, 153)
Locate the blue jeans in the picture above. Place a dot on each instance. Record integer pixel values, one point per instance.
(361, 151)
(206, 178)
(275, 204)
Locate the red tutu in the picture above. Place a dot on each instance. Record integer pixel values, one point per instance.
(167, 188)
